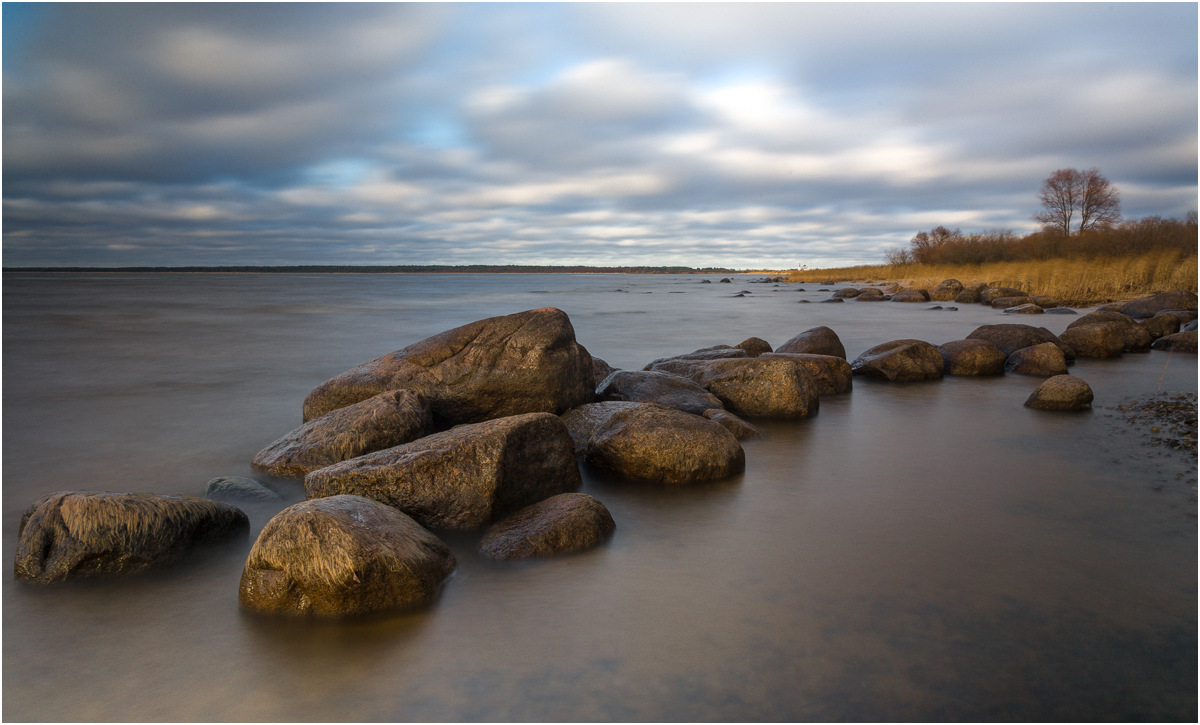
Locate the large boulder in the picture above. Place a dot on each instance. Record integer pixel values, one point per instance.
(1134, 337)
(987, 295)
(972, 357)
(1179, 342)
(73, 534)
(1101, 340)
(654, 444)
(1153, 304)
(900, 361)
(970, 295)
(1012, 336)
(561, 524)
(1161, 324)
(521, 363)
(1061, 392)
(761, 387)
(649, 386)
(730, 422)
(911, 295)
(463, 478)
(832, 374)
(815, 341)
(343, 555)
(381, 421)
(1042, 360)
(946, 290)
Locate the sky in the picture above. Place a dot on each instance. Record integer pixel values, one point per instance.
(741, 135)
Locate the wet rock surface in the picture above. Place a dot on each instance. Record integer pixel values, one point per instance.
(562, 524)
(1061, 392)
(651, 386)
(815, 341)
(900, 361)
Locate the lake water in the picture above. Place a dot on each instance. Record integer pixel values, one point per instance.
(930, 551)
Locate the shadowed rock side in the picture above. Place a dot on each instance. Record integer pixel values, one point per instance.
(650, 443)
(521, 363)
(768, 386)
(646, 386)
(972, 357)
(735, 425)
(900, 361)
(84, 533)
(1153, 304)
(970, 295)
(754, 346)
(462, 478)
(1042, 360)
(381, 421)
(1061, 392)
(601, 369)
(815, 341)
(1179, 342)
(1013, 336)
(831, 374)
(1161, 324)
(562, 524)
(343, 555)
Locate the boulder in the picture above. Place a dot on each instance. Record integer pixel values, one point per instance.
(73, 534)
(1045, 302)
(754, 346)
(1179, 342)
(1134, 337)
(832, 374)
(1101, 340)
(870, 294)
(381, 421)
(834, 300)
(911, 295)
(815, 341)
(651, 443)
(1161, 324)
(648, 386)
(720, 352)
(463, 478)
(1184, 316)
(1003, 303)
(1061, 392)
(1024, 309)
(561, 524)
(601, 369)
(946, 290)
(900, 361)
(521, 363)
(238, 488)
(970, 295)
(1153, 304)
(987, 295)
(761, 387)
(730, 422)
(343, 555)
(846, 293)
(1042, 360)
(1012, 336)
(972, 357)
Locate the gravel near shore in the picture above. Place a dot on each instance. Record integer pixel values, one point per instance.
(1162, 429)
(1166, 420)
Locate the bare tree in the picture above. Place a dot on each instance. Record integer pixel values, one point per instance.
(1068, 194)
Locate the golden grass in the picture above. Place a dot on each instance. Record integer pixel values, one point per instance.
(1072, 281)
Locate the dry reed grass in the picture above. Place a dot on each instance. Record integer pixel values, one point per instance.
(1072, 281)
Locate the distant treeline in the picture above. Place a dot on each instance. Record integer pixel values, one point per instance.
(390, 269)
(1131, 238)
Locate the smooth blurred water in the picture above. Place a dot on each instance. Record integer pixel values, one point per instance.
(930, 551)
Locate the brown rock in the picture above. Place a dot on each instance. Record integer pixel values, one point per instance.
(1046, 303)
(343, 555)
(1061, 392)
(501, 366)
(585, 421)
(465, 477)
(381, 421)
(871, 294)
(601, 369)
(846, 293)
(1101, 340)
(911, 295)
(900, 361)
(1011, 336)
(972, 357)
(720, 352)
(946, 291)
(754, 346)
(648, 386)
(73, 534)
(970, 295)
(730, 422)
(1179, 342)
(1159, 325)
(761, 387)
(987, 295)
(815, 341)
(831, 374)
(1041, 360)
(1003, 303)
(1024, 309)
(1153, 304)
(561, 524)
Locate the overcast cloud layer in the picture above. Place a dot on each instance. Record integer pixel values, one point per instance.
(749, 136)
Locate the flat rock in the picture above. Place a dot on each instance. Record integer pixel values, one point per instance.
(389, 419)
(972, 357)
(463, 478)
(1042, 360)
(1004, 303)
(815, 341)
(562, 524)
(501, 366)
(988, 294)
(1061, 392)
(343, 555)
(73, 534)
(649, 386)
(238, 488)
(900, 361)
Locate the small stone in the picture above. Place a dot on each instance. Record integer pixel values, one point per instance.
(239, 487)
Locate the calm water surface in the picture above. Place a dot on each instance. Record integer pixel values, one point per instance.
(931, 551)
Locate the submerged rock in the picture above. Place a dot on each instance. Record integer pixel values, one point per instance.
(900, 361)
(238, 488)
(381, 421)
(1061, 392)
(562, 524)
(73, 534)
(501, 366)
(465, 477)
(815, 341)
(343, 555)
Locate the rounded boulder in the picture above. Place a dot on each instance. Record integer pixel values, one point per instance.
(900, 361)
(972, 357)
(562, 524)
(815, 341)
(1042, 360)
(1061, 392)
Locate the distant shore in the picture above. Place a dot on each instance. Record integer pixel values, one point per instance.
(380, 269)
